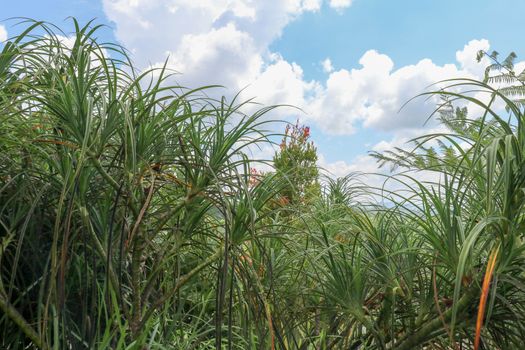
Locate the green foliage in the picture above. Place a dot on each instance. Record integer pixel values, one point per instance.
(120, 197)
(502, 74)
(297, 161)
(130, 218)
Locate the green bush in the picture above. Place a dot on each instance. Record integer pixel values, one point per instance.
(129, 219)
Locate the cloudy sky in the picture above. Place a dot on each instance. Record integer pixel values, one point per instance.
(348, 64)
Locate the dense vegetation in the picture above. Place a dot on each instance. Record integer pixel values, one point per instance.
(130, 217)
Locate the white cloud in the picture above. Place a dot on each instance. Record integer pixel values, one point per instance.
(327, 65)
(223, 42)
(163, 25)
(402, 139)
(340, 168)
(3, 33)
(281, 82)
(224, 56)
(335, 169)
(340, 4)
(227, 42)
(373, 94)
(467, 57)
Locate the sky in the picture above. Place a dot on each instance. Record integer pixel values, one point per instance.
(349, 65)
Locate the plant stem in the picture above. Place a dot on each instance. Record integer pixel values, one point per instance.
(20, 321)
(414, 340)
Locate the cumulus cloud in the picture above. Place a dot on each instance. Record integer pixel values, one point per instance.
(327, 65)
(3, 33)
(467, 57)
(227, 42)
(224, 56)
(369, 97)
(373, 94)
(215, 42)
(340, 4)
(282, 82)
(339, 168)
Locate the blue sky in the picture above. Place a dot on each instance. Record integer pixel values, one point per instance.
(350, 65)
(405, 30)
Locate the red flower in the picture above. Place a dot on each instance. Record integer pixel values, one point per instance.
(306, 132)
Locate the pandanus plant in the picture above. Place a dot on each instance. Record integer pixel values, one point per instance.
(122, 196)
(131, 218)
(440, 265)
